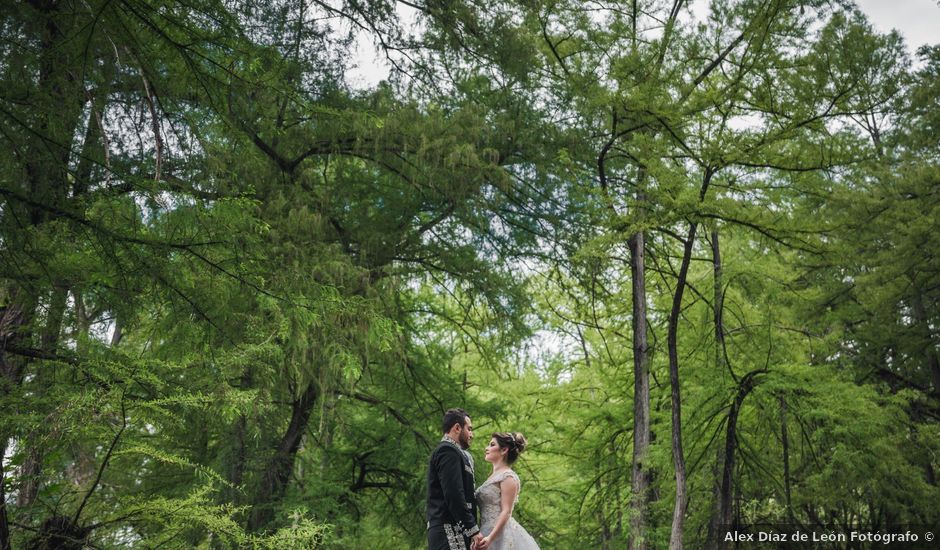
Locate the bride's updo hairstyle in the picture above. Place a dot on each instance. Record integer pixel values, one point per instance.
(514, 441)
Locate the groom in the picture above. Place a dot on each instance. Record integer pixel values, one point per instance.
(451, 506)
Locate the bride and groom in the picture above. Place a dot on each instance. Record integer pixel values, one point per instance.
(452, 502)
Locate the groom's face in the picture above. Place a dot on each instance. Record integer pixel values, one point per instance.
(466, 434)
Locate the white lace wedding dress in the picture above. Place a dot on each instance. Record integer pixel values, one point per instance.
(513, 536)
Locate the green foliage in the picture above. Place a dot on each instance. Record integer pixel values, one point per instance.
(236, 294)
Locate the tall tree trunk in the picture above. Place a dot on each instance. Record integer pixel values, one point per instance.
(678, 458)
(640, 482)
(60, 99)
(722, 518)
(785, 438)
(277, 473)
(718, 304)
(714, 527)
(5, 543)
(640, 478)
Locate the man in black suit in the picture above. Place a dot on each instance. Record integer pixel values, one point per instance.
(451, 507)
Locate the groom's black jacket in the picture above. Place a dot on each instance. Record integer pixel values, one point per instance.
(450, 490)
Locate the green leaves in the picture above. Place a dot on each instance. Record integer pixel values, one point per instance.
(236, 295)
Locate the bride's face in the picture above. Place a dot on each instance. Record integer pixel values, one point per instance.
(494, 453)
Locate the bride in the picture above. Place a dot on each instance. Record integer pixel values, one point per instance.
(498, 494)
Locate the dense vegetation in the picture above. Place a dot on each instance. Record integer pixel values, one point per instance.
(694, 262)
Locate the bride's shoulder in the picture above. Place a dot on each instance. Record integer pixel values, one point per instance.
(510, 474)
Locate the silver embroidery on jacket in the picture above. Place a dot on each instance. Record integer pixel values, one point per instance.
(454, 540)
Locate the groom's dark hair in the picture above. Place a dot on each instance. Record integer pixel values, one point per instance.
(454, 416)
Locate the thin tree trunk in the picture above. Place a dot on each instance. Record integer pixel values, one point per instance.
(718, 305)
(715, 537)
(678, 458)
(722, 520)
(118, 333)
(640, 478)
(785, 437)
(4, 520)
(640, 481)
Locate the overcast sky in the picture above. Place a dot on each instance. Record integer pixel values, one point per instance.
(917, 20)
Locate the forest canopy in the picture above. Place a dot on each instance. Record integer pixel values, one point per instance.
(694, 259)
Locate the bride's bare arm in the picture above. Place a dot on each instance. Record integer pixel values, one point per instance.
(508, 488)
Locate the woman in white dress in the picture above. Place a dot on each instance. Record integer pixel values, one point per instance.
(498, 494)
